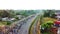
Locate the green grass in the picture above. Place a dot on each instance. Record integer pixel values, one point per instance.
(46, 33)
(5, 23)
(32, 24)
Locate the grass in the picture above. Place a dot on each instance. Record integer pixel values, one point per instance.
(46, 33)
(45, 19)
(3, 23)
(30, 28)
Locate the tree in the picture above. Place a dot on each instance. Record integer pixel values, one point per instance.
(7, 13)
(11, 13)
(49, 13)
(3, 13)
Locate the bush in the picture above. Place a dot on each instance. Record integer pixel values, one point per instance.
(0, 19)
(53, 16)
(46, 33)
(8, 22)
(47, 24)
(17, 17)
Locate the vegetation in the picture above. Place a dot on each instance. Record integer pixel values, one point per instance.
(3, 23)
(47, 24)
(6, 13)
(46, 33)
(8, 23)
(41, 19)
(13, 13)
(47, 21)
(26, 12)
(45, 27)
(30, 28)
(49, 13)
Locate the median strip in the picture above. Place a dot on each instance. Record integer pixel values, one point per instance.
(30, 28)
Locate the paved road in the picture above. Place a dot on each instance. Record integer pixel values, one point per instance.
(35, 27)
(34, 31)
(23, 26)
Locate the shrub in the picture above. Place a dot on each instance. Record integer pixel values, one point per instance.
(17, 18)
(8, 22)
(45, 27)
(47, 24)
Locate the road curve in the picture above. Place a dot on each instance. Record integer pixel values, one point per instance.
(22, 27)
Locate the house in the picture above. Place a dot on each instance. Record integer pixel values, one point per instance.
(20, 16)
(5, 19)
(57, 12)
(8, 19)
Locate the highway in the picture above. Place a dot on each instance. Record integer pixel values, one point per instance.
(34, 27)
(34, 30)
(23, 26)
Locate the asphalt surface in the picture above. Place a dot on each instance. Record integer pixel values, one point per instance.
(23, 26)
(34, 31)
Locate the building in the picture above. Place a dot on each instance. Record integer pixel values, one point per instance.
(57, 12)
(20, 16)
(8, 19)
